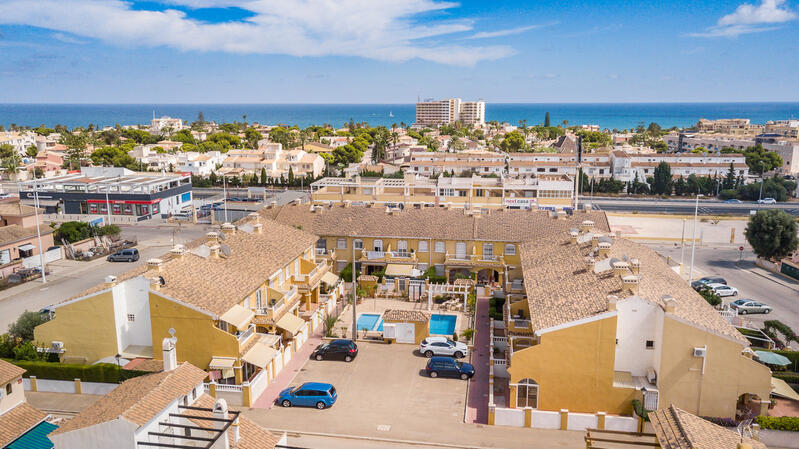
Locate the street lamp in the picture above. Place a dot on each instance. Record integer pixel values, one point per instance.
(119, 370)
(693, 237)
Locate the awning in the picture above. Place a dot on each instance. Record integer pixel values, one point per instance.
(330, 278)
(290, 323)
(221, 363)
(398, 270)
(26, 247)
(238, 316)
(260, 355)
(780, 388)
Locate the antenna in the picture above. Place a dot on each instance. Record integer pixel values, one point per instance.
(221, 236)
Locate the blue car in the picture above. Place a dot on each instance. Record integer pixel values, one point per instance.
(311, 394)
(448, 367)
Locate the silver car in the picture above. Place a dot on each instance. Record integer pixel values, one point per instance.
(431, 346)
(745, 306)
(723, 290)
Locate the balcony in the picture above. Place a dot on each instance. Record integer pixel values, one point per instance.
(324, 254)
(278, 302)
(487, 260)
(307, 280)
(242, 336)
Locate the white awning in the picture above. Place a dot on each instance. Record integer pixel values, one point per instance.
(221, 363)
(26, 247)
(260, 355)
(399, 270)
(330, 278)
(290, 323)
(238, 316)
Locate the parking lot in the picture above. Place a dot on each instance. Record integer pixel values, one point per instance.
(384, 389)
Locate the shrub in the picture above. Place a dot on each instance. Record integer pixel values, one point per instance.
(454, 336)
(468, 334)
(789, 377)
(72, 231)
(430, 273)
(27, 351)
(23, 327)
(790, 423)
(100, 372)
(7, 345)
(781, 328)
(346, 273)
(111, 229)
(710, 296)
(727, 194)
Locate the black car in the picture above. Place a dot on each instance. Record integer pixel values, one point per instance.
(125, 255)
(698, 284)
(336, 349)
(448, 367)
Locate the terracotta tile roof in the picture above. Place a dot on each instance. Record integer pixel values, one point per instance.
(251, 435)
(17, 421)
(404, 315)
(15, 208)
(9, 372)
(15, 233)
(560, 288)
(678, 429)
(140, 399)
(142, 364)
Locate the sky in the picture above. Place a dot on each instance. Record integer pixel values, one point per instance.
(394, 51)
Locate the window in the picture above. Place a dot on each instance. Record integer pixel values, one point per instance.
(402, 247)
(8, 388)
(423, 246)
(258, 298)
(357, 244)
(650, 344)
(341, 243)
(488, 250)
(527, 394)
(510, 249)
(447, 192)
(439, 247)
(377, 245)
(131, 317)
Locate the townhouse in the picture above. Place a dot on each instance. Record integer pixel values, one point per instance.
(19, 140)
(242, 300)
(545, 192)
(168, 409)
(535, 164)
(737, 126)
(626, 165)
(21, 425)
(786, 147)
(274, 160)
(199, 164)
(596, 322)
(479, 162)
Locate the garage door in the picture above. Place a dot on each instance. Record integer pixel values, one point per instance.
(405, 333)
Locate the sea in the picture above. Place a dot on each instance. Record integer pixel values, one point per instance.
(606, 115)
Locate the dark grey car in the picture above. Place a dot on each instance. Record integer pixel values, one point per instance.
(125, 255)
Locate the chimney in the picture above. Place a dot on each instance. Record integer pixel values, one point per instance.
(587, 208)
(259, 228)
(272, 205)
(214, 251)
(669, 304)
(178, 251)
(595, 239)
(561, 214)
(612, 300)
(635, 266)
(604, 249)
(589, 263)
(586, 225)
(347, 203)
(155, 283)
(221, 412)
(155, 265)
(255, 216)
(621, 268)
(388, 210)
(212, 236)
(228, 228)
(110, 281)
(574, 234)
(234, 429)
(630, 283)
(169, 353)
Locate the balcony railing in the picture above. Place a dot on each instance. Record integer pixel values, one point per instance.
(243, 336)
(371, 255)
(463, 257)
(489, 257)
(321, 251)
(521, 324)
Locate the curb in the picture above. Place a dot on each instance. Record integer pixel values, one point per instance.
(376, 439)
(777, 281)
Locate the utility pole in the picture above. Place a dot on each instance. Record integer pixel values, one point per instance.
(682, 245)
(693, 244)
(38, 232)
(224, 193)
(354, 295)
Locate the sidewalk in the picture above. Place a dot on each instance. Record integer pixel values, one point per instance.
(779, 279)
(289, 372)
(477, 404)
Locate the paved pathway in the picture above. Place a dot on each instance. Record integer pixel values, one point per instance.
(477, 408)
(289, 372)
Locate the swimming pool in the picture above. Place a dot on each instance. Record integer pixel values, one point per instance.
(367, 321)
(442, 324)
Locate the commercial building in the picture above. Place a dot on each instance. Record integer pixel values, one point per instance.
(449, 111)
(475, 192)
(242, 301)
(89, 194)
(21, 425)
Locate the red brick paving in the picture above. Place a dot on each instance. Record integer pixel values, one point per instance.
(477, 408)
(287, 374)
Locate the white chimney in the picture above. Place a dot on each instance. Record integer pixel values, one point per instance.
(221, 412)
(169, 353)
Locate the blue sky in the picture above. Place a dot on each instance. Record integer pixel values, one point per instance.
(391, 51)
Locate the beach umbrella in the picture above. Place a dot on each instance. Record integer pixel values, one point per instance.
(771, 358)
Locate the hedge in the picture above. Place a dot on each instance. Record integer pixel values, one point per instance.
(787, 376)
(101, 372)
(789, 423)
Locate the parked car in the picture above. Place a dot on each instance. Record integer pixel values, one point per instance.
(183, 215)
(345, 350)
(699, 283)
(745, 306)
(310, 394)
(723, 290)
(431, 346)
(733, 201)
(125, 255)
(767, 201)
(449, 367)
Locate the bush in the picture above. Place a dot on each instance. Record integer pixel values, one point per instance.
(73, 231)
(727, 194)
(111, 229)
(454, 336)
(468, 334)
(101, 372)
(23, 327)
(789, 423)
(27, 351)
(710, 296)
(7, 345)
(782, 328)
(430, 273)
(789, 377)
(346, 273)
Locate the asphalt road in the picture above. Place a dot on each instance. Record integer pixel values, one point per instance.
(683, 206)
(744, 276)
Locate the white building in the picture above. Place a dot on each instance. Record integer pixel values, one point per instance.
(483, 163)
(786, 128)
(787, 148)
(158, 124)
(19, 140)
(199, 164)
(449, 111)
(271, 157)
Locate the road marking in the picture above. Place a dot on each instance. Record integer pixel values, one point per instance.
(386, 427)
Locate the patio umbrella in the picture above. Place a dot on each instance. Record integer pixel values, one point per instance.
(771, 358)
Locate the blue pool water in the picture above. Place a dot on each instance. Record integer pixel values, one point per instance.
(380, 326)
(367, 321)
(442, 324)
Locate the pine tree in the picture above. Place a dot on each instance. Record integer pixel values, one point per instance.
(729, 180)
(263, 176)
(546, 119)
(291, 176)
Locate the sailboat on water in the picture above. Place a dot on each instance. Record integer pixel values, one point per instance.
(390, 114)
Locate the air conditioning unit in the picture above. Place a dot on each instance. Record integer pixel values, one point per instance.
(57, 346)
(651, 376)
(700, 352)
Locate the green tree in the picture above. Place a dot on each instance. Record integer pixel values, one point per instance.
(772, 234)
(263, 176)
(546, 120)
(513, 142)
(760, 161)
(729, 179)
(662, 181)
(72, 231)
(6, 150)
(680, 188)
(23, 327)
(654, 129)
(710, 296)
(291, 176)
(32, 151)
(252, 136)
(184, 136)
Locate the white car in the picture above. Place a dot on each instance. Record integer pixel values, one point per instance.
(431, 346)
(723, 290)
(767, 201)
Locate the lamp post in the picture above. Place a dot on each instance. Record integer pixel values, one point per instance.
(693, 237)
(682, 246)
(119, 369)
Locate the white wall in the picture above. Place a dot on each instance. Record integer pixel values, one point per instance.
(132, 296)
(117, 434)
(9, 401)
(68, 386)
(509, 417)
(638, 321)
(546, 420)
(623, 423)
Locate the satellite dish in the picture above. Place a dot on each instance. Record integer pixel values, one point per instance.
(247, 228)
(203, 251)
(225, 250)
(161, 280)
(222, 236)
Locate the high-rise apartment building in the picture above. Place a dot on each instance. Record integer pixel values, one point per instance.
(449, 111)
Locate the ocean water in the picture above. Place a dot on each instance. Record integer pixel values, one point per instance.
(606, 115)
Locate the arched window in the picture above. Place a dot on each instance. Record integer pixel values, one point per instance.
(527, 393)
(422, 246)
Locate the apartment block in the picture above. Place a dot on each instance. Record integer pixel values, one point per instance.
(159, 124)
(734, 126)
(787, 148)
(785, 128)
(449, 111)
(429, 163)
